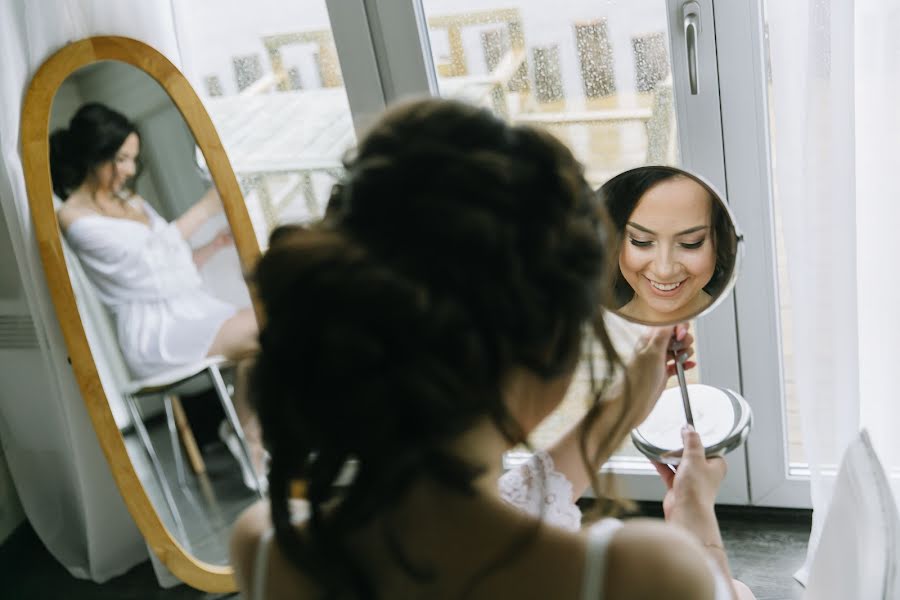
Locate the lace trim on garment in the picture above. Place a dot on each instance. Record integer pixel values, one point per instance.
(537, 488)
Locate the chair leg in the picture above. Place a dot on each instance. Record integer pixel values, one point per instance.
(175, 442)
(187, 437)
(231, 415)
(144, 437)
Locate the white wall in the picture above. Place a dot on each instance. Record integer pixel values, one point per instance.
(11, 515)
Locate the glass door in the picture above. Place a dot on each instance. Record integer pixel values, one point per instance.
(613, 80)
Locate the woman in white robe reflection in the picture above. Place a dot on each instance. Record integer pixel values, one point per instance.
(142, 267)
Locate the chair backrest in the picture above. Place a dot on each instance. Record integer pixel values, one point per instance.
(101, 335)
(858, 553)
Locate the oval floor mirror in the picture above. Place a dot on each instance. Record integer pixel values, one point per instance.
(112, 114)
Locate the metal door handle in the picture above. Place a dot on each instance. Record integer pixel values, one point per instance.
(691, 13)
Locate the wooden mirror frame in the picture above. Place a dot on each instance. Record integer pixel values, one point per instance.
(35, 134)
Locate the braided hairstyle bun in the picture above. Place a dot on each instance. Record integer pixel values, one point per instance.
(456, 248)
(93, 138)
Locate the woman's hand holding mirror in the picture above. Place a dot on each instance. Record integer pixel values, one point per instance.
(695, 482)
(652, 364)
(681, 345)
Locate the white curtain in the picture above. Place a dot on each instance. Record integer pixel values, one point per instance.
(835, 66)
(60, 474)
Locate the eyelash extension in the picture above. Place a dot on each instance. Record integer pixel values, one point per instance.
(694, 245)
(639, 243)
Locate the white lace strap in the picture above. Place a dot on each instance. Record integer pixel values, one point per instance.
(261, 565)
(599, 537)
(537, 488)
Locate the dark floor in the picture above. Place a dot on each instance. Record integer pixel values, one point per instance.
(207, 504)
(766, 546)
(29, 572)
(766, 552)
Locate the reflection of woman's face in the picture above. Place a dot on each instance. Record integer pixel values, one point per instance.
(667, 254)
(114, 174)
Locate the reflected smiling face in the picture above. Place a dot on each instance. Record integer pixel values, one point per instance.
(115, 174)
(667, 254)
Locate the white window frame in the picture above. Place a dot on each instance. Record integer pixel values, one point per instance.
(360, 67)
(745, 123)
(385, 56)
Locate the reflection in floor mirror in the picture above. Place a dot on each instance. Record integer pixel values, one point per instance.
(148, 285)
(121, 306)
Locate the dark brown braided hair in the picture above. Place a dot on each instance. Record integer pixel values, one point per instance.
(93, 137)
(455, 248)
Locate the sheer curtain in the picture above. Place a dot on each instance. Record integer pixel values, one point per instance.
(59, 472)
(836, 124)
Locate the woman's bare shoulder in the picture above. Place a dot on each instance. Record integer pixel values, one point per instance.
(245, 537)
(73, 209)
(677, 562)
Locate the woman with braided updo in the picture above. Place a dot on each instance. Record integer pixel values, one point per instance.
(426, 325)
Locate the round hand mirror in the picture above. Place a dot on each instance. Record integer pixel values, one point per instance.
(678, 246)
(679, 251)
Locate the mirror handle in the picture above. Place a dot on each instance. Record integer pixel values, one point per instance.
(682, 383)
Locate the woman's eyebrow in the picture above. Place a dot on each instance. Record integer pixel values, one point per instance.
(685, 232)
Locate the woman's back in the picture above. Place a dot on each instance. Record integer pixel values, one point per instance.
(609, 560)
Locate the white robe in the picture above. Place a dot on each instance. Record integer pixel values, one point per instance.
(146, 276)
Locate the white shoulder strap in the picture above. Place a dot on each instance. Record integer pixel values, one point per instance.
(599, 536)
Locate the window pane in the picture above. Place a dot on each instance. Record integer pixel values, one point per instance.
(795, 451)
(269, 76)
(596, 75)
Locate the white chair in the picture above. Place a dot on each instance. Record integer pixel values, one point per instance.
(124, 392)
(858, 553)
